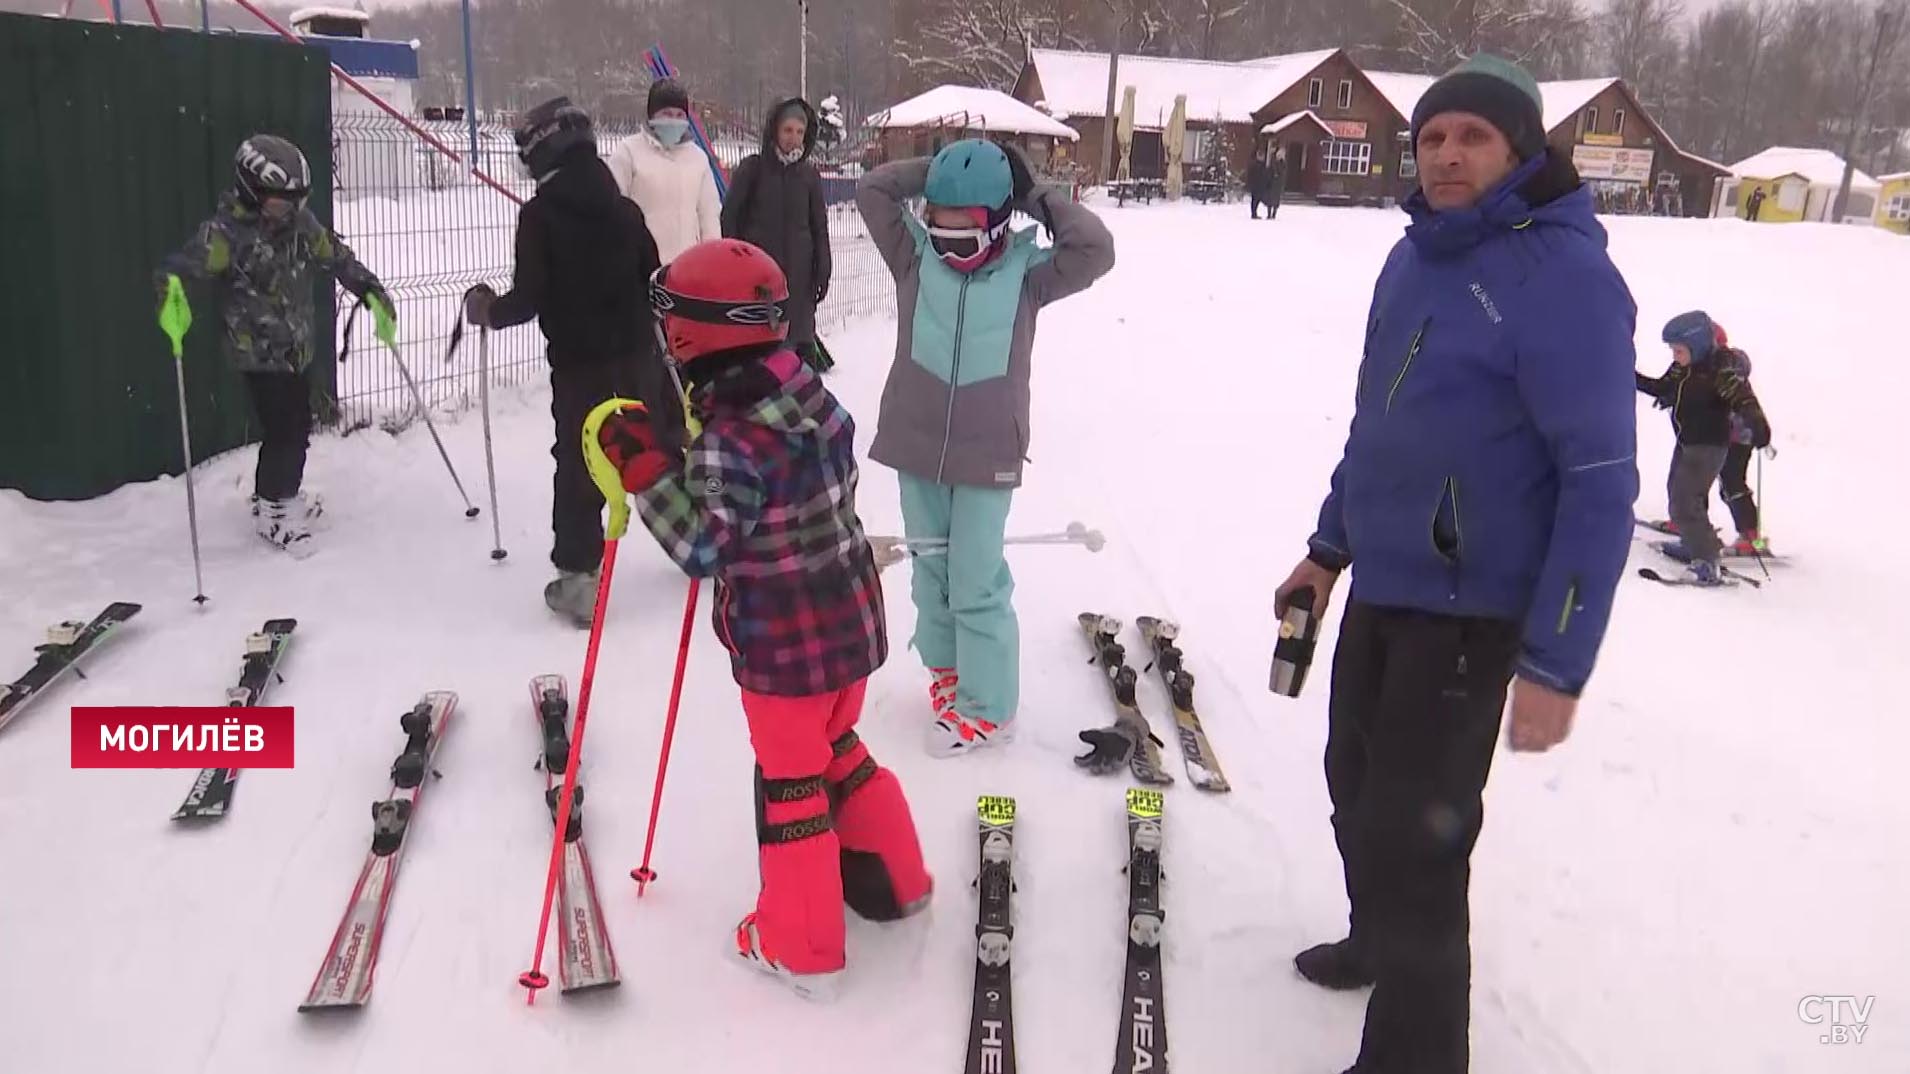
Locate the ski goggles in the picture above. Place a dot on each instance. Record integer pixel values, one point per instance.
(963, 247)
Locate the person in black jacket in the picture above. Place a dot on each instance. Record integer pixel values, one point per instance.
(775, 203)
(584, 261)
(1705, 388)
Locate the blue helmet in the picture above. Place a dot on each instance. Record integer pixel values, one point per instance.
(972, 173)
(1695, 331)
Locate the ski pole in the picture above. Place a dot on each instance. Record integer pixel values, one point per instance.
(490, 463)
(175, 319)
(643, 874)
(1076, 533)
(386, 328)
(534, 979)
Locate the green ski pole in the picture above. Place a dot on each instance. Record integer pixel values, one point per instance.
(175, 319)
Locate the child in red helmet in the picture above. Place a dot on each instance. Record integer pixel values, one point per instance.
(765, 505)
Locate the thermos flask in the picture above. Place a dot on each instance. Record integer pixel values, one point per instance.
(1293, 653)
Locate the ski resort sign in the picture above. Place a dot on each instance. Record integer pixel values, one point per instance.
(1614, 164)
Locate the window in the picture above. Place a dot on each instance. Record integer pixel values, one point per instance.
(1197, 147)
(1346, 93)
(1618, 121)
(1315, 93)
(1591, 121)
(1898, 209)
(1408, 164)
(1346, 158)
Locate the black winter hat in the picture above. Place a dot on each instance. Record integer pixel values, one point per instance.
(1497, 90)
(667, 93)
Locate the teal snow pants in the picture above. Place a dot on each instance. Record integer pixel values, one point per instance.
(964, 600)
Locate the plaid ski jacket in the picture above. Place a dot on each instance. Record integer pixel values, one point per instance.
(765, 504)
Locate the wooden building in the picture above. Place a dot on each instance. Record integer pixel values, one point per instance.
(1234, 110)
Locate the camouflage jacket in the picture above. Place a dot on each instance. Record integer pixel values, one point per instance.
(265, 274)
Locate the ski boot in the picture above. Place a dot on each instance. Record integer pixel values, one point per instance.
(1339, 966)
(1750, 543)
(573, 595)
(282, 523)
(953, 734)
(1705, 573)
(307, 506)
(821, 987)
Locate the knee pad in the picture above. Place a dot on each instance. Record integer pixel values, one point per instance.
(849, 768)
(780, 796)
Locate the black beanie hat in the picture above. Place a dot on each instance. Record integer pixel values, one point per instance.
(1497, 90)
(667, 93)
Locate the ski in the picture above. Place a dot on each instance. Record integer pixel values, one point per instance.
(587, 960)
(1203, 769)
(991, 1020)
(211, 793)
(1145, 759)
(1142, 1044)
(66, 644)
(1727, 581)
(344, 979)
(1729, 551)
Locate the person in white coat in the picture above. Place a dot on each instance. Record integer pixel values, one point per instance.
(667, 174)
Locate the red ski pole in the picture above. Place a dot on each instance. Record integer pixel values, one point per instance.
(610, 483)
(643, 874)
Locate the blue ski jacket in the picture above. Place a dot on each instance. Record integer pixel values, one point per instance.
(1490, 468)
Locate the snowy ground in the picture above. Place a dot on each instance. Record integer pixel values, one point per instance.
(1722, 836)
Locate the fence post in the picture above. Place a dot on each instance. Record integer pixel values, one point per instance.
(470, 85)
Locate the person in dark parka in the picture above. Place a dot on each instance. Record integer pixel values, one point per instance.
(775, 202)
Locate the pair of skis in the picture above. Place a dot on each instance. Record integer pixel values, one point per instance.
(1141, 1043)
(66, 645)
(1129, 739)
(344, 979)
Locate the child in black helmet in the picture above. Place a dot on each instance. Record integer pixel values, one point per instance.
(261, 246)
(584, 259)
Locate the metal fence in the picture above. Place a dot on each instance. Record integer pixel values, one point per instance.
(430, 231)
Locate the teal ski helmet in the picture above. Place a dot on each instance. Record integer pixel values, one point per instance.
(971, 173)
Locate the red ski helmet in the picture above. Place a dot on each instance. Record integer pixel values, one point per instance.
(718, 296)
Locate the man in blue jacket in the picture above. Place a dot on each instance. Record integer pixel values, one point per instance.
(1484, 502)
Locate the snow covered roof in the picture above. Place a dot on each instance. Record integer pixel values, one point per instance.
(1076, 84)
(1287, 121)
(306, 14)
(1402, 91)
(970, 107)
(1820, 167)
(1893, 177)
(1563, 100)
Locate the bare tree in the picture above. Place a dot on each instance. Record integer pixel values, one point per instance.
(1640, 43)
(1886, 38)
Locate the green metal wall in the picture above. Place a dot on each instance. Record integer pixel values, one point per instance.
(115, 142)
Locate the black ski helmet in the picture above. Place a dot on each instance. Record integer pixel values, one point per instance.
(550, 132)
(267, 166)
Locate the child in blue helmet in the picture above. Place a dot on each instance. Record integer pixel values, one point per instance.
(954, 416)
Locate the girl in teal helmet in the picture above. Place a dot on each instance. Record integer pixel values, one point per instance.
(969, 192)
(954, 419)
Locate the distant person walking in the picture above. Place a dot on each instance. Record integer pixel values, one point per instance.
(775, 203)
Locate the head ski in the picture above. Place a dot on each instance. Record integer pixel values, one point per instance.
(211, 793)
(1203, 769)
(1128, 740)
(991, 1021)
(1142, 1045)
(65, 645)
(587, 959)
(345, 978)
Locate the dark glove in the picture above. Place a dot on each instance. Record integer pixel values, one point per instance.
(631, 446)
(1111, 748)
(1021, 175)
(376, 290)
(477, 305)
(1761, 433)
(822, 289)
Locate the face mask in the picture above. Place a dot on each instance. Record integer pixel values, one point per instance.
(669, 131)
(789, 156)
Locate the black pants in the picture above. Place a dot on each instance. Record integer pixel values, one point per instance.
(576, 508)
(1735, 488)
(283, 402)
(1414, 718)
